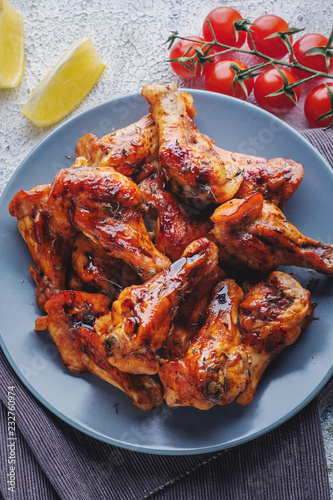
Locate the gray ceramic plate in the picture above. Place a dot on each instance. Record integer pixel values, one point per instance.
(97, 408)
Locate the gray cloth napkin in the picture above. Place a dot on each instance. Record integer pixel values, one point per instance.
(55, 461)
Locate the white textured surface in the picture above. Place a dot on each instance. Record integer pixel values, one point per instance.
(130, 37)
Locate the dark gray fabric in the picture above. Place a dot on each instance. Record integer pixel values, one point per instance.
(55, 461)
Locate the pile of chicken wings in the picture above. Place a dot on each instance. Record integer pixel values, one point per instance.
(134, 247)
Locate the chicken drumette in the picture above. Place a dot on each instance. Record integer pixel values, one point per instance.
(271, 317)
(187, 156)
(215, 367)
(102, 204)
(78, 322)
(141, 316)
(275, 179)
(94, 270)
(239, 338)
(51, 254)
(256, 233)
(128, 148)
(191, 315)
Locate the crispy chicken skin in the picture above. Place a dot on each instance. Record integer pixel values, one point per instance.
(214, 369)
(50, 254)
(187, 156)
(142, 315)
(124, 149)
(128, 148)
(271, 317)
(175, 228)
(256, 233)
(190, 315)
(96, 271)
(275, 179)
(102, 204)
(77, 322)
(80, 184)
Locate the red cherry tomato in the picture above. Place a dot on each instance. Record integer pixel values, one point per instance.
(179, 49)
(270, 81)
(265, 26)
(317, 104)
(222, 20)
(220, 77)
(317, 62)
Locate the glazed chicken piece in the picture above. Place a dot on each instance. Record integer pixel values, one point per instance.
(125, 149)
(190, 316)
(142, 315)
(187, 156)
(256, 233)
(175, 228)
(102, 204)
(215, 368)
(95, 271)
(50, 253)
(128, 148)
(275, 179)
(271, 317)
(78, 322)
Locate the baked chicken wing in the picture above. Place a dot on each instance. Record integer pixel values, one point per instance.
(275, 179)
(191, 315)
(187, 156)
(102, 204)
(175, 228)
(78, 322)
(271, 317)
(142, 315)
(94, 270)
(256, 233)
(126, 149)
(215, 367)
(51, 254)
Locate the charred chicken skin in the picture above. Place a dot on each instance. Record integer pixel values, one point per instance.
(175, 228)
(215, 368)
(271, 317)
(141, 316)
(102, 204)
(187, 156)
(256, 233)
(78, 322)
(51, 254)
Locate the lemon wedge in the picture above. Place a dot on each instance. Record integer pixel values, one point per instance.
(66, 85)
(11, 45)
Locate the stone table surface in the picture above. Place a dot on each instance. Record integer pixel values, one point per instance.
(130, 37)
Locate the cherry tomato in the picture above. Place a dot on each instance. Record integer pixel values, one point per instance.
(179, 49)
(220, 77)
(270, 81)
(265, 26)
(222, 20)
(317, 104)
(317, 62)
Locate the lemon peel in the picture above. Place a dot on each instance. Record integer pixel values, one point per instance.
(12, 51)
(66, 85)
